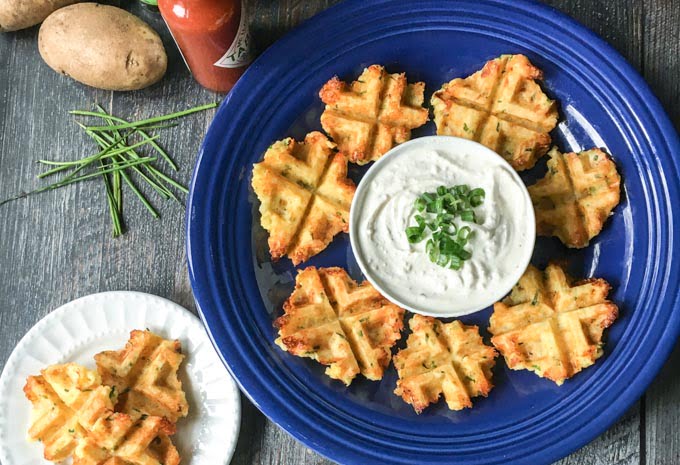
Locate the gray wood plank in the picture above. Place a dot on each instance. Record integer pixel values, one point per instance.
(619, 23)
(271, 20)
(619, 445)
(661, 37)
(275, 447)
(661, 441)
(38, 270)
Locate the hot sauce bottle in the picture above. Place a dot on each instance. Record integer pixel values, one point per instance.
(213, 37)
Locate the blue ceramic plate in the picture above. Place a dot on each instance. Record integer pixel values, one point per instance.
(525, 419)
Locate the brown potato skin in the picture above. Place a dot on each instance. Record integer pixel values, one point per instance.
(102, 46)
(20, 14)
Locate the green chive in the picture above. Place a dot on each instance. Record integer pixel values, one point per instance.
(109, 118)
(116, 156)
(414, 234)
(114, 206)
(467, 215)
(464, 254)
(464, 233)
(455, 263)
(157, 119)
(437, 213)
(463, 189)
(162, 190)
(156, 184)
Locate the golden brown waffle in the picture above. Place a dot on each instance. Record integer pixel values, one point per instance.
(501, 106)
(348, 326)
(130, 440)
(576, 196)
(144, 375)
(304, 195)
(53, 423)
(551, 327)
(449, 359)
(373, 114)
(73, 415)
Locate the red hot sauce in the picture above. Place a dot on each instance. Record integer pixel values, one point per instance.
(213, 37)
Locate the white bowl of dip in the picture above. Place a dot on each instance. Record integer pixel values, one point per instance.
(383, 207)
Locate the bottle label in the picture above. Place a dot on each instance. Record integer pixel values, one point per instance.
(239, 53)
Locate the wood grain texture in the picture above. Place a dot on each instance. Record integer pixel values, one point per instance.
(661, 68)
(56, 246)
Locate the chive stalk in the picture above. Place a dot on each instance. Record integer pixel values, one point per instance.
(118, 159)
(157, 119)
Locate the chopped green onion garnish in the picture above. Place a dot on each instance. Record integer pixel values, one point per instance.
(467, 215)
(476, 200)
(456, 262)
(414, 234)
(437, 212)
(464, 233)
(463, 189)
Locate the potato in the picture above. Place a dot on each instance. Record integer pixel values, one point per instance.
(20, 14)
(102, 46)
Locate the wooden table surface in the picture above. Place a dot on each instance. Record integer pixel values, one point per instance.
(57, 246)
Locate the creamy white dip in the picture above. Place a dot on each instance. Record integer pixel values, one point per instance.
(383, 208)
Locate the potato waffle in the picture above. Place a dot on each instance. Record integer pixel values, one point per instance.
(305, 196)
(73, 415)
(349, 327)
(551, 327)
(576, 196)
(144, 375)
(449, 359)
(53, 423)
(130, 440)
(502, 107)
(373, 114)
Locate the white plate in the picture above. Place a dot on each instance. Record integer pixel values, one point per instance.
(78, 330)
